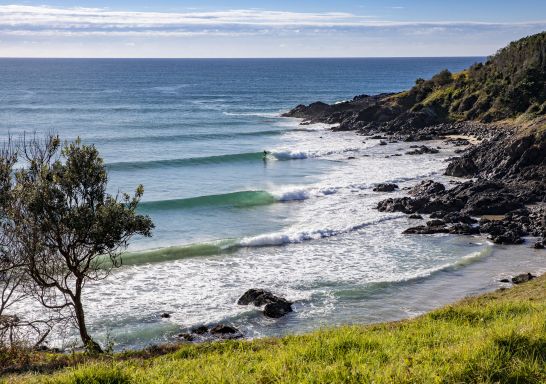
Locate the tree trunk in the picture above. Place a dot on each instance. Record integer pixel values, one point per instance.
(89, 344)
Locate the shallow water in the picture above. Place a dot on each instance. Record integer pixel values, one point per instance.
(300, 222)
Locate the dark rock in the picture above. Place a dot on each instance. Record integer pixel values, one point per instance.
(435, 223)
(382, 142)
(425, 230)
(504, 280)
(523, 278)
(187, 336)
(275, 306)
(278, 309)
(385, 187)
(421, 150)
(461, 167)
(165, 315)
(458, 142)
(492, 203)
(463, 229)
(258, 297)
(427, 188)
(457, 217)
(201, 330)
(539, 245)
(351, 158)
(222, 329)
(415, 217)
(508, 237)
(401, 204)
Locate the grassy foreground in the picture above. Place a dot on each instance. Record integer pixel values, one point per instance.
(495, 338)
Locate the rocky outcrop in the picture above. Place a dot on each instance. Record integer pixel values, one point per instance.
(507, 164)
(421, 150)
(258, 297)
(204, 333)
(385, 187)
(453, 210)
(274, 306)
(225, 331)
(523, 278)
(278, 309)
(461, 167)
(427, 188)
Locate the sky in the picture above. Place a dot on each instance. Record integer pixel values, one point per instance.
(277, 28)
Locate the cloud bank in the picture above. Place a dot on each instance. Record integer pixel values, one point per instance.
(30, 30)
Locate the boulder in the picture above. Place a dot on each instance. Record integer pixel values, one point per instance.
(425, 230)
(463, 229)
(508, 237)
(415, 216)
(457, 217)
(385, 187)
(421, 150)
(224, 331)
(258, 297)
(165, 315)
(539, 245)
(435, 223)
(427, 188)
(275, 306)
(278, 309)
(523, 278)
(187, 336)
(401, 204)
(461, 167)
(200, 330)
(492, 203)
(459, 142)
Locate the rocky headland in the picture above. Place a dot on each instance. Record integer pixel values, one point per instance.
(496, 113)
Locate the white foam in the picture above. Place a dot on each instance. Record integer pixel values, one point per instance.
(170, 89)
(298, 194)
(294, 237)
(257, 114)
(289, 155)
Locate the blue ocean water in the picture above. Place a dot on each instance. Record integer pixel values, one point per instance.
(300, 222)
(188, 128)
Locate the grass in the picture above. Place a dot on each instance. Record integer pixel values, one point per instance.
(494, 338)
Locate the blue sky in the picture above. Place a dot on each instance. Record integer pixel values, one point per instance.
(282, 28)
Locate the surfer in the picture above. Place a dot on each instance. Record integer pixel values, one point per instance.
(265, 155)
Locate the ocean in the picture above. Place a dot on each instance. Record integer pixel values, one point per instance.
(300, 222)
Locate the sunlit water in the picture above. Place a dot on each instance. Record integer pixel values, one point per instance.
(301, 223)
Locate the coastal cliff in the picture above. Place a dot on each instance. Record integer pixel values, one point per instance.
(501, 105)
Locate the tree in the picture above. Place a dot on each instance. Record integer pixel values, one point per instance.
(14, 329)
(11, 276)
(68, 229)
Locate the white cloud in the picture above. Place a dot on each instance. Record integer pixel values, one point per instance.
(20, 20)
(99, 32)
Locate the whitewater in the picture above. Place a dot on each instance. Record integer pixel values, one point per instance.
(244, 198)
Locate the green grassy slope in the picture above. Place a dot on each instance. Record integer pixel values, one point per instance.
(510, 83)
(495, 338)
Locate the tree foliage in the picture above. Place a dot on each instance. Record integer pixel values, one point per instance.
(510, 83)
(67, 229)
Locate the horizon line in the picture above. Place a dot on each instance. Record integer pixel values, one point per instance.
(241, 58)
